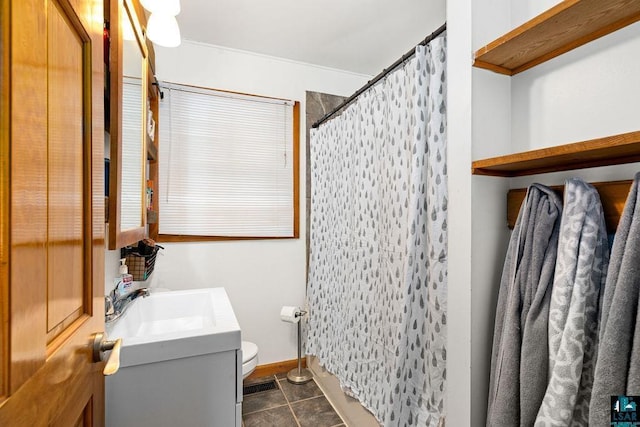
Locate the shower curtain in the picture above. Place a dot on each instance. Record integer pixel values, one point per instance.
(378, 263)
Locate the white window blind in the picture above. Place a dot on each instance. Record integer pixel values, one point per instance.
(226, 164)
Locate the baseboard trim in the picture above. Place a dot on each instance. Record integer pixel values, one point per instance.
(275, 368)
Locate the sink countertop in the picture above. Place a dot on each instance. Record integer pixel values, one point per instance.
(176, 324)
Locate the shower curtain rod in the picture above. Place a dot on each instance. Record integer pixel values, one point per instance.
(380, 76)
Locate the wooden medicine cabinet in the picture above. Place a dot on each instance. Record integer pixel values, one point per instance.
(128, 87)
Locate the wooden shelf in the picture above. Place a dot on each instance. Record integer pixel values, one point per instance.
(611, 150)
(613, 196)
(560, 29)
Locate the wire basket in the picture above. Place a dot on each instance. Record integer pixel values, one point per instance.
(141, 266)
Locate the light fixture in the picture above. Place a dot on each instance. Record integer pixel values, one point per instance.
(162, 27)
(165, 7)
(163, 30)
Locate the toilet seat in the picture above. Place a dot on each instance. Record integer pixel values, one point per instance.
(249, 351)
(249, 358)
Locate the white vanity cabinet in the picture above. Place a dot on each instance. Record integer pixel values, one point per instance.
(180, 362)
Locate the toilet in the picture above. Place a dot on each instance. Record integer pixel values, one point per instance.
(249, 358)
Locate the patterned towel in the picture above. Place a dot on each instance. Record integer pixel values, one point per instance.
(583, 256)
(519, 360)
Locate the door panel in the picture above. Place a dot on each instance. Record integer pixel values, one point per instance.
(67, 287)
(51, 212)
(28, 190)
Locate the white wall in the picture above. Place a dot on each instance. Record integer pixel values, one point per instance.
(590, 92)
(479, 110)
(458, 398)
(259, 276)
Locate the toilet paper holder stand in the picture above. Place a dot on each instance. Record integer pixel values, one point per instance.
(299, 375)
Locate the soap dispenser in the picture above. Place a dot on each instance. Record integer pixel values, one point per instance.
(124, 281)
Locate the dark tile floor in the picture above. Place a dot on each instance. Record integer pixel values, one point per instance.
(289, 405)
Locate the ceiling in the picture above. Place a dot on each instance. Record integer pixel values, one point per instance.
(362, 36)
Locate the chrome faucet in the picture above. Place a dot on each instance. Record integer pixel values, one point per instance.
(115, 306)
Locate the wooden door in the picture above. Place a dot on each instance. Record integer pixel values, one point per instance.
(51, 212)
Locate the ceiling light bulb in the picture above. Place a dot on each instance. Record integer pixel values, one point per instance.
(163, 30)
(166, 7)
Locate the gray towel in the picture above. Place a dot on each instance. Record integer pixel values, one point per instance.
(617, 366)
(633, 379)
(519, 360)
(581, 266)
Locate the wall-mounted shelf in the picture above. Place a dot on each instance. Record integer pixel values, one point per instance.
(560, 29)
(611, 150)
(613, 196)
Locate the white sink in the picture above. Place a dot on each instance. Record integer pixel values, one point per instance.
(175, 324)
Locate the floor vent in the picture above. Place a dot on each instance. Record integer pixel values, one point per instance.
(256, 388)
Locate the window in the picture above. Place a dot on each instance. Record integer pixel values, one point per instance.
(228, 165)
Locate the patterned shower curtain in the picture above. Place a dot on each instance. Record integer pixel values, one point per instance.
(377, 289)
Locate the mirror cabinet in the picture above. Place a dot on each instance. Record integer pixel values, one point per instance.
(132, 114)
